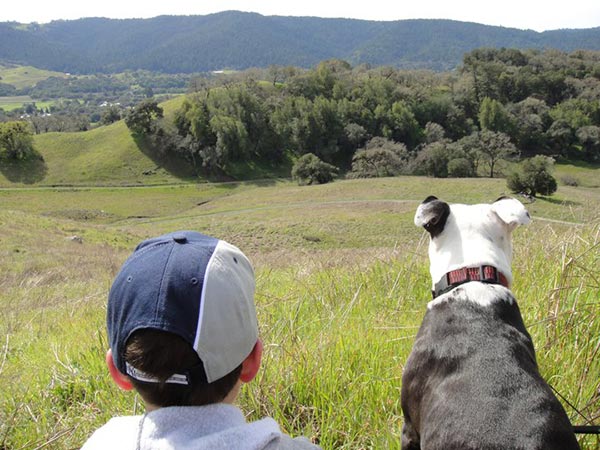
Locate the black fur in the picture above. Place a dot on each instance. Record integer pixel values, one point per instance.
(472, 382)
(439, 211)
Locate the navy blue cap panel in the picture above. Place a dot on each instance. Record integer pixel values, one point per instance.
(160, 290)
(178, 304)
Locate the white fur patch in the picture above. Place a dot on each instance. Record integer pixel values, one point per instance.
(482, 294)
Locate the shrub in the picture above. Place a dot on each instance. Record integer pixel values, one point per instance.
(309, 169)
(533, 177)
(569, 180)
(515, 181)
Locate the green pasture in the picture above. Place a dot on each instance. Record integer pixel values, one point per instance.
(342, 285)
(584, 174)
(18, 101)
(25, 76)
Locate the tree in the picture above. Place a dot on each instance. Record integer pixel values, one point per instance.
(589, 138)
(355, 135)
(142, 118)
(533, 177)
(531, 119)
(309, 169)
(404, 127)
(232, 139)
(16, 140)
(433, 159)
(433, 132)
(379, 158)
(495, 147)
(561, 138)
(492, 116)
(110, 115)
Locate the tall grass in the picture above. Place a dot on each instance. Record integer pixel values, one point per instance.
(338, 311)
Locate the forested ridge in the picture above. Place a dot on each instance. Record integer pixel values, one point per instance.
(236, 40)
(502, 105)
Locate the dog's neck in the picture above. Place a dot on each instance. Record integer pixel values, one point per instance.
(484, 273)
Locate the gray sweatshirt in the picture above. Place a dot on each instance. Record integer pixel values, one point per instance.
(218, 426)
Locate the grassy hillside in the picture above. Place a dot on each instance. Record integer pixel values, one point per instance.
(106, 155)
(26, 76)
(342, 284)
(109, 155)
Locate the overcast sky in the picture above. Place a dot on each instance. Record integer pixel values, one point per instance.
(538, 15)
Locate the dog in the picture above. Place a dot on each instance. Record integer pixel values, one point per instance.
(472, 380)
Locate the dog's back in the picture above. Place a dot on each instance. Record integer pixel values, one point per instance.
(472, 380)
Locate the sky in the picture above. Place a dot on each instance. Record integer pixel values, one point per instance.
(538, 15)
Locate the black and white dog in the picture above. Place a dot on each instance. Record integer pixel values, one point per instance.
(471, 380)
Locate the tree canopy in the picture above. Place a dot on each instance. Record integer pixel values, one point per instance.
(500, 105)
(16, 140)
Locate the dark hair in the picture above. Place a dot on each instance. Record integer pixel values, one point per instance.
(161, 354)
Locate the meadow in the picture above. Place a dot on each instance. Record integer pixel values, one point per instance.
(25, 76)
(342, 285)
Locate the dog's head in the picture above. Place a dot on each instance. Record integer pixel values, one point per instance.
(470, 235)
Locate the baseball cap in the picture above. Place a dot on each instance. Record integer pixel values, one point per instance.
(195, 286)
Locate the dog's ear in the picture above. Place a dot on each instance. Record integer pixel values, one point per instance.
(432, 215)
(511, 211)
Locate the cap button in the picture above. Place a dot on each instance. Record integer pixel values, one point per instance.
(180, 238)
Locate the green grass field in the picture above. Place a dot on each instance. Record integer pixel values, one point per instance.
(342, 285)
(25, 76)
(12, 103)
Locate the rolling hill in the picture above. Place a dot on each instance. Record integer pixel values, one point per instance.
(107, 155)
(238, 40)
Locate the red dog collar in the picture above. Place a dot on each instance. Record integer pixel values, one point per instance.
(485, 274)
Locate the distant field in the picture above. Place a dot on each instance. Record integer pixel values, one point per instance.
(11, 103)
(26, 76)
(583, 173)
(342, 284)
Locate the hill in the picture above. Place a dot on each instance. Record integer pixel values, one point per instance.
(25, 76)
(111, 156)
(238, 40)
(105, 155)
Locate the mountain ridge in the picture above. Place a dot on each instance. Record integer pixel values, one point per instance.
(239, 40)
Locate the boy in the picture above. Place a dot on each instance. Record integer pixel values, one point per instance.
(183, 333)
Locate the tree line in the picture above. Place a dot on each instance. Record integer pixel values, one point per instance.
(501, 104)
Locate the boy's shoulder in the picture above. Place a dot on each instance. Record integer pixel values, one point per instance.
(118, 432)
(217, 426)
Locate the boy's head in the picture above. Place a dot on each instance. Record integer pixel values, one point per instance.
(181, 319)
